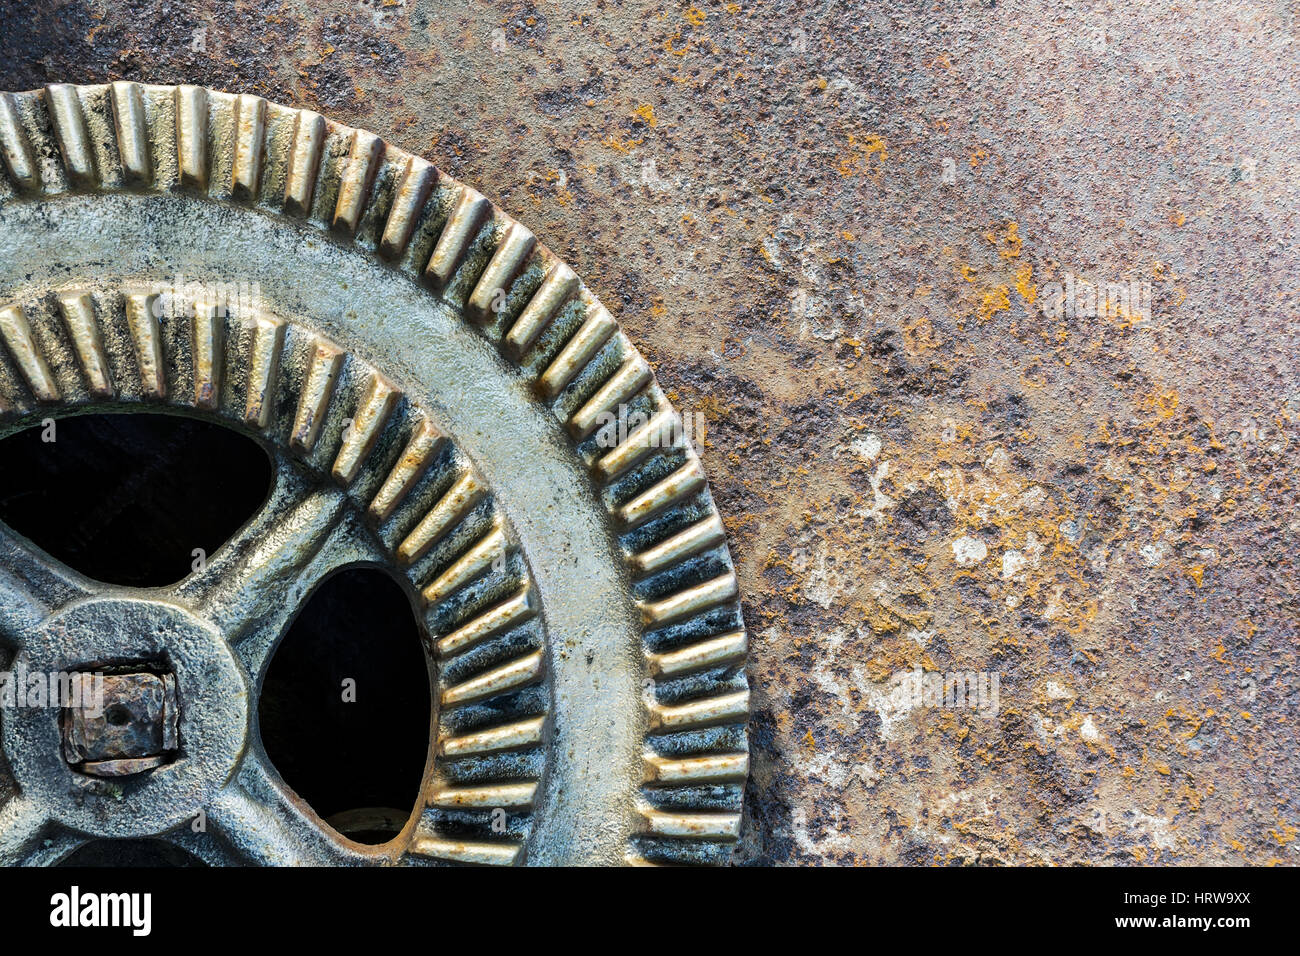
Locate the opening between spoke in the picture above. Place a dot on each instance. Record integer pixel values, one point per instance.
(146, 852)
(265, 825)
(130, 498)
(32, 585)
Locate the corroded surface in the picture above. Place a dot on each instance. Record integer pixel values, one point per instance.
(833, 229)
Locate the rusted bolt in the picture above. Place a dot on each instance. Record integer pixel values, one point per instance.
(130, 728)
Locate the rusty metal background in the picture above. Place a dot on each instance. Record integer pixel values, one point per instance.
(833, 227)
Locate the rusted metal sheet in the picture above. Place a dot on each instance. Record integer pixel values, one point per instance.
(991, 315)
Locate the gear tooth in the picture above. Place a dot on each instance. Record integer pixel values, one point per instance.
(316, 396)
(725, 649)
(304, 162)
(191, 103)
(146, 338)
(64, 104)
(367, 425)
(410, 467)
(132, 127)
(497, 619)
(461, 851)
(691, 826)
(512, 795)
(698, 537)
(266, 347)
(208, 345)
(17, 335)
(494, 740)
(250, 137)
(458, 233)
(505, 679)
(418, 180)
(658, 432)
(579, 350)
(632, 376)
(691, 601)
(474, 563)
(514, 249)
(356, 179)
(16, 148)
(450, 509)
(558, 287)
(703, 712)
(83, 329)
(682, 483)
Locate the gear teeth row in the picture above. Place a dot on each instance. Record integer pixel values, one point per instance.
(515, 291)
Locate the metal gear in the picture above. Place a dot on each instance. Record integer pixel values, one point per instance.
(440, 396)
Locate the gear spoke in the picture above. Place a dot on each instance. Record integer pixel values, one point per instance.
(204, 848)
(253, 588)
(32, 585)
(22, 821)
(57, 844)
(265, 824)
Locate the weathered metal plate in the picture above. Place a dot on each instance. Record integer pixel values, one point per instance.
(440, 395)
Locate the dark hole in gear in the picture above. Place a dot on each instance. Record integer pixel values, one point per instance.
(127, 499)
(359, 764)
(140, 852)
